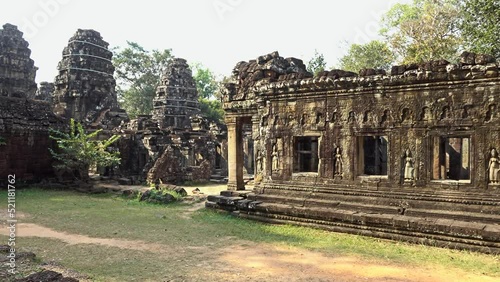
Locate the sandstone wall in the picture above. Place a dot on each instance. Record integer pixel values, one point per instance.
(24, 128)
(413, 109)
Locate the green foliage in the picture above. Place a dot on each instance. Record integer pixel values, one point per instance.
(77, 150)
(480, 26)
(138, 72)
(163, 196)
(374, 54)
(211, 109)
(317, 63)
(207, 87)
(424, 30)
(206, 84)
(2, 141)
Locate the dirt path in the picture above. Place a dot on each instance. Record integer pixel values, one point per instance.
(249, 261)
(272, 263)
(34, 230)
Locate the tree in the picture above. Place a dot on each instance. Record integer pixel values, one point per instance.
(206, 84)
(138, 73)
(212, 109)
(480, 26)
(78, 151)
(424, 30)
(374, 54)
(317, 63)
(207, 87)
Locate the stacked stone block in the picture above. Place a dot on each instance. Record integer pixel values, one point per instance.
(85, 86)
(17, 69)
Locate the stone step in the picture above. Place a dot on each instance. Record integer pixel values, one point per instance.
(471, 194)
(218, 180)
(325, 200)
(485, 202)
(487, 234)
(217, 176)
(384, 233)
(447, 219)
(367, 207)
(236, 193)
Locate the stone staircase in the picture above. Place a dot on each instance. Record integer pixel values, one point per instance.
(218, 177)
(445, 218)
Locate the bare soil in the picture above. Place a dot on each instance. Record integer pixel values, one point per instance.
(248, 261)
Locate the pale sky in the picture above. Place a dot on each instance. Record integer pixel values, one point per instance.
(216, 33)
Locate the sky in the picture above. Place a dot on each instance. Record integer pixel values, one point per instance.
(216, 33)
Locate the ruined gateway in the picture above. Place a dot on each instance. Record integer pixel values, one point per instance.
(409, 156)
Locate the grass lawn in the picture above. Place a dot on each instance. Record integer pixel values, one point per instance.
(193, 241)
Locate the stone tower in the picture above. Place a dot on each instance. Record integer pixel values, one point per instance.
(45, 92)
(17, 70)
(176, 98)
(85, 86)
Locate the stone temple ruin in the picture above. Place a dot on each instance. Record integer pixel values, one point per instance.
(17, 69)
(175, 144)
(410, 156)
(85, 87)
(24, 122)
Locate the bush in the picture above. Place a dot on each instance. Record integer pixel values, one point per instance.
(163, 196)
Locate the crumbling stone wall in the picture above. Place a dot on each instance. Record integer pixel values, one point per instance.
(24, 138)
(85, 86)
(17, 69)
(176, 143)
(24, 123)
(410, 110)
(45, 92)
(409, 156)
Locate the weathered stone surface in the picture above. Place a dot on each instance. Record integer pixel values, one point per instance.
(47, 276)
(176, 101)
(17, 69)
(408, 152)
(176, 143)
(45, 92)
(24, 129)
(85, 86)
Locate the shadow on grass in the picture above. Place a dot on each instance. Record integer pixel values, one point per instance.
(111, 216)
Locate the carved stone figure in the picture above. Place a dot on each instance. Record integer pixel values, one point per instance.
(408, 161)
(274, 155)
(337, 162)
(259, 161)
(352, 117)
(493, 167)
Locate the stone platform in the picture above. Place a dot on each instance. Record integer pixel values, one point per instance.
(445, 218)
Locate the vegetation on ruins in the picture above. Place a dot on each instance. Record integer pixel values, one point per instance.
(2, 141)
(138, 72)
(480, 26)
(317, 63)
(77, 150)
(374, 54)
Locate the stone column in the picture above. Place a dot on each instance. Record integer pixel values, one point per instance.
(235, 154)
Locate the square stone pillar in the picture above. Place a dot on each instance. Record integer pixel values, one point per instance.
(235, 153)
